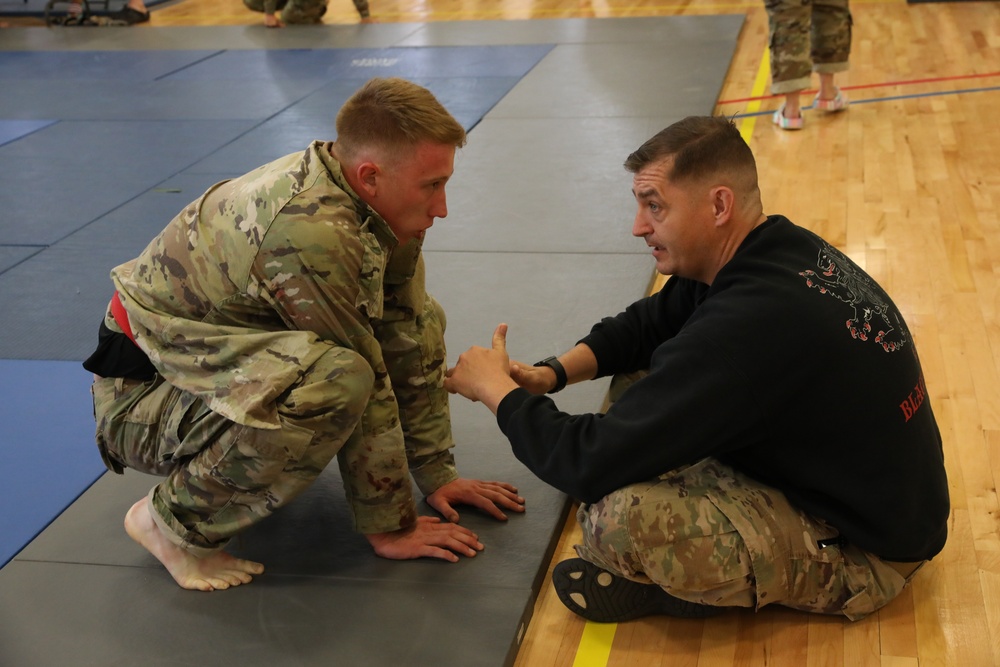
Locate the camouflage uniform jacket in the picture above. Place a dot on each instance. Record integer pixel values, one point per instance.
(231, 300)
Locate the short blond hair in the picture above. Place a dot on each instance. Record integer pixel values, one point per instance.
(391, 115)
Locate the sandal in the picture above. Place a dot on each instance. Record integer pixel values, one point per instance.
(838, 103)
(602, 597)
(786, 123)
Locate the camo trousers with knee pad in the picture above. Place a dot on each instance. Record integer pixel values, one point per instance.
(222, 477)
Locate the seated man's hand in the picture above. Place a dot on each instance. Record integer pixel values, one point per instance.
(538, 380)
(484, 495)
(483, 374)
(429, 537)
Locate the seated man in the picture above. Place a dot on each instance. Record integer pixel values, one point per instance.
(768, 454)
(299, 11)
(78, 14)
(278, 321)
(294, 12)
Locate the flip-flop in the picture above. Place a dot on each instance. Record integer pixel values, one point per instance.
(838, 103)
(786, 123)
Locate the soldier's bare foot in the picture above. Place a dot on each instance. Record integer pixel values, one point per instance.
(216, 572)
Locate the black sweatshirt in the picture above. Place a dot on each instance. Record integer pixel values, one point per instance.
(794, 367)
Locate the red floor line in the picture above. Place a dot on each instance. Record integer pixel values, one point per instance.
(909, 82)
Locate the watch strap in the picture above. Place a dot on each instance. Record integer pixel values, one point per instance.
(560, 372)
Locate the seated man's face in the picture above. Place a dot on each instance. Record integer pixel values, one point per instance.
(674, 220)
(411, 190)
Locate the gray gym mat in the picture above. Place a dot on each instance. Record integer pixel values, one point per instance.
(538, 236)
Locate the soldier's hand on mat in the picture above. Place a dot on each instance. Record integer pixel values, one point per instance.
(487, 496)
(428, 538)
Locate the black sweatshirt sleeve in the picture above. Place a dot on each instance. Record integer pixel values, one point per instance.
(625, 343)
(691, 405)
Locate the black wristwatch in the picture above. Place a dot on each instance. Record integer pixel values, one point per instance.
(554, 364)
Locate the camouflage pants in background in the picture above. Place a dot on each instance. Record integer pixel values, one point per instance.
(222, 477)
(294, 11)
(709, 534)
(807, 36)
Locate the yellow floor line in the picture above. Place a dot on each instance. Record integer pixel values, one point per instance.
(760, 83)
(595, 645)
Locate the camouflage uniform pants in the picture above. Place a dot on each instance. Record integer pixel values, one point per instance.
(709, 534)
(294, 11)
(222, 477)
(806, 36)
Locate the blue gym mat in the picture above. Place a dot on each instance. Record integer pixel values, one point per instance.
(138, 135)
(44, 467)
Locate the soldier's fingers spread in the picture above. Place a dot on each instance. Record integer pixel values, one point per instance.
(461, 532)
(463, 541)
(465, 549)
(490, 508)
(511, 502)
(436, 552)
(510, 492)
(505, 494)
(501, 485)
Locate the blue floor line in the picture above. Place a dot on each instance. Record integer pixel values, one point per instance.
(893, 98)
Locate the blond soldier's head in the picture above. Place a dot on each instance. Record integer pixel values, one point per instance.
(396, 145)
(391, 115)
(695, 184)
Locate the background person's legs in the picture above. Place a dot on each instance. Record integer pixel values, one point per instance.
(303, 11)
(789, 24)
(831, 46)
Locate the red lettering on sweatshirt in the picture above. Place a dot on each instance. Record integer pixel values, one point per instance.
(914, 400)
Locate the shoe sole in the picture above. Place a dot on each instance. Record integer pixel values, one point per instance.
(602, 597)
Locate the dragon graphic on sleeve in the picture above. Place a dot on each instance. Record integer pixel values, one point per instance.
(840, 278)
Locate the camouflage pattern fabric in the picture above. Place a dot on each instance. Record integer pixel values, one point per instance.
(303, 11)
(265, 6)
(223, 477)
(300, 11)
(711, 535)
(807, 36)
(247, 289)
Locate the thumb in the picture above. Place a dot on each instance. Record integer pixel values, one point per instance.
(500, 338)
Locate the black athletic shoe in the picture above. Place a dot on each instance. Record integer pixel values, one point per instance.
(125, 16)
(602, 597)
(69, 20)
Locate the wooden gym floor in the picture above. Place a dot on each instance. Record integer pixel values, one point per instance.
(907, 182)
